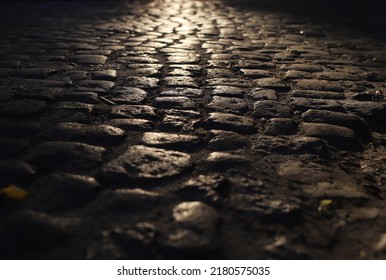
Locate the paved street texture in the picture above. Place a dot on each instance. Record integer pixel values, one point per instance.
(189, 129)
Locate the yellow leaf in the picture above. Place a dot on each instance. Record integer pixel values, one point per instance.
(15, 193)
(323, 204)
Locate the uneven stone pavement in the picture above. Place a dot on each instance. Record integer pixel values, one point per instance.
(189, 129)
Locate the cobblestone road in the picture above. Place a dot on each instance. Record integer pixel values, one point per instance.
(189, 129)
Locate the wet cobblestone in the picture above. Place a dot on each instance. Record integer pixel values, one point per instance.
(189, 129)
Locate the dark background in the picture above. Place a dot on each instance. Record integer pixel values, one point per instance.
(345, 7)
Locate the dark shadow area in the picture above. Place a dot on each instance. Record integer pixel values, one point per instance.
(22, 12)
(359, 15)
(342, 7)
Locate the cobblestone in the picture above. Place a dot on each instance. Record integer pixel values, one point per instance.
(304, 104)
(218, 161)
(178, 102)
(313, 84)
(187, 92)
(194, 129)
(315, 94)
(341, 136)
(90, 134)
(141, 162)
(272, 83)
(94, 85)
(133, 111)
(171, 141)
(331, 117)
(90, 59)
(129, 95)
(226, 140)
(228, 104)
(228, 91)
(196, 231)
(66, 156)
(270, 109)
(263, 94)
(367, 109)
(281, 126)
(210, 188)
(122, 200)
(225, 121)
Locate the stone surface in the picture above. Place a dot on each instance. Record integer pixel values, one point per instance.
(273, 83)
(321, 85)
(90, 134)
(266, 209)
(195, 214)
(303, 104)
(334, 190)
(340, 136)
(195, 129)
(228, 104)
(196, 230)
(122, 200)
(208, 187)
(66, 156)
(106, 75)
(227, 140)
(330, 117)
(95, 85)
(90, 59)
(228, 91)
(368, 109)
(128, 95)
(180, 120)
(180, 102)
(170, 141)
(187, 92)
(318, 94)
(177, 81)
(129, 125)
(125, 242)
(223, 160)
(141, 162)
(281, 126)
(134, 111)
(263, 94)
(225, 121)
(270, 109)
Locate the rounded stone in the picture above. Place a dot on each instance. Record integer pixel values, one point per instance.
(141, 162)
(226, 121)
(170, 140)
(129, 95)
(91, 134)
(66, 156)
(195, 214)
(227, 140)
